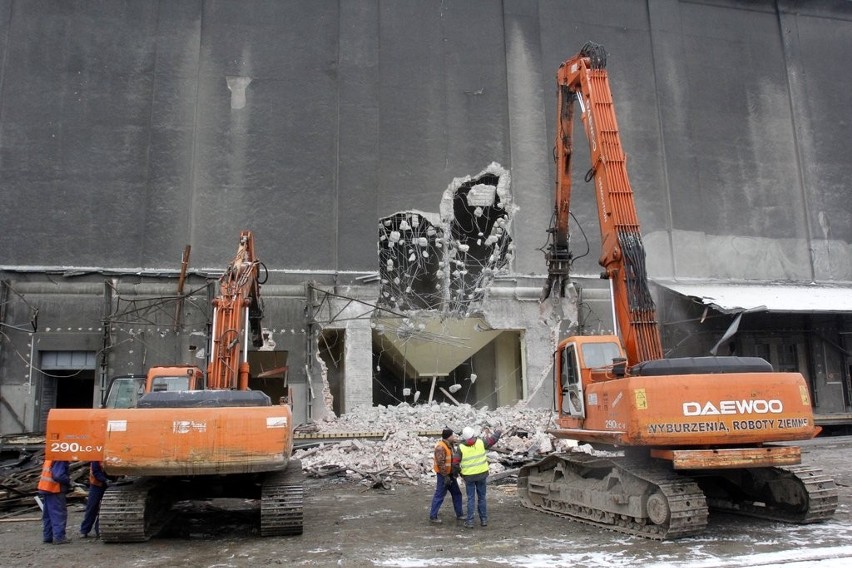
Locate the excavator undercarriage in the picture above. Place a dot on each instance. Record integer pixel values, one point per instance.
(641, 499)
(138, 509)
(647, 498)
(793, 494)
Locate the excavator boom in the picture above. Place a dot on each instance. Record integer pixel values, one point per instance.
(583, 80)
(237, 313)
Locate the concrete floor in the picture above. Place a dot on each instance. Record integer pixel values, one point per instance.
(350, 525)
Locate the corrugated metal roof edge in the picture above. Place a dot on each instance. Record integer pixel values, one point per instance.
(783, 297)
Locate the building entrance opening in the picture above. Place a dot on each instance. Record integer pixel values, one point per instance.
(67, 381)
(458, 361)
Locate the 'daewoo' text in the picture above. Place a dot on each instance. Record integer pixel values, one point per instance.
(773, 406)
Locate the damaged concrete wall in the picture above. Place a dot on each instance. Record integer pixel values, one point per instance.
(509, 377)
(447, 263)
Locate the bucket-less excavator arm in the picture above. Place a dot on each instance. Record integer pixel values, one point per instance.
(583, 80)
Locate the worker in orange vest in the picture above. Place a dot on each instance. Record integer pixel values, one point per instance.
(446, 477)
(97, 487)
(54, 483)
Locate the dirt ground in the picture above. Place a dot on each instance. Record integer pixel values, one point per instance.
(350, 525)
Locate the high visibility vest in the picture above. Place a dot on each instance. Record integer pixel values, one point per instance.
(473, 459)
(92, 479)
(448, 458)
(46, 482)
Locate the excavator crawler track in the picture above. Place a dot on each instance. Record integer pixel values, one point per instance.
(134, 512)
(794, 494)
(633, 497)
(282, 497)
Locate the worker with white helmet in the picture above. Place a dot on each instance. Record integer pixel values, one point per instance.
(474, 471)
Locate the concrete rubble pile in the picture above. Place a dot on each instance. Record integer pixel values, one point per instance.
(395, 444)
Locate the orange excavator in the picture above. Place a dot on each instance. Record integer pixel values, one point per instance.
(672, 438)
(185, 439)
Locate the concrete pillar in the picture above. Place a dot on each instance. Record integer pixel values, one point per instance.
(508, 368)
(538, 345)
(358, 362)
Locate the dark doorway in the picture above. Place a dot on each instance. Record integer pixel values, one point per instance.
(269, 373)
(66, 388)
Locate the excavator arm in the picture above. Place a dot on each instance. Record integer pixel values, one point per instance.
(237, 313)
(583, 78)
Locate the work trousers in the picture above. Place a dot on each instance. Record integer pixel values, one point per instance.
(476, 493)
(54, 516)
(93, 508)
(441, 491)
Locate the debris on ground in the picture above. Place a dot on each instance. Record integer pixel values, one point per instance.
(402, 439)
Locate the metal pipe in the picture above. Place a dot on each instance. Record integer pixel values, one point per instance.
(612, 306)
(246, 337)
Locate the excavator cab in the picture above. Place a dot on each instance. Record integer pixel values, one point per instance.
(579, 361)
(572, 386)
(178, 378)
(124, 391)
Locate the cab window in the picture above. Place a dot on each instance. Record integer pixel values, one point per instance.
(162, 384)
(124, 393)
(569, 374)
(600, 354)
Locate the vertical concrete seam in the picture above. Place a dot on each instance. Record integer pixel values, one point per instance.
(797, 147)
(3, 63)
(143, 250)
(190, 210)
(335, 213)
(445, 99)
(663, 157)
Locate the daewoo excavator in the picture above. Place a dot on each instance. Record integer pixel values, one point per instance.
(684, 435)
(185, 439)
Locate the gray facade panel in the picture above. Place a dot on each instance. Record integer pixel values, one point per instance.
(357, 177)
(167, 211)
(413, 107)
(530, 102)
(739, 126)
(820, 85)
(268, 165)
(477, 122)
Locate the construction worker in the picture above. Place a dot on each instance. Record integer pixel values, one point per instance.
(474, 471)
(443, 459)
(97, 487)
(54, 483)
